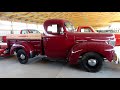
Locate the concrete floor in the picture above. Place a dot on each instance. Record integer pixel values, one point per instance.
(11, 68)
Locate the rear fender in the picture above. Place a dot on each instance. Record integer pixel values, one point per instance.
(25, 46)
(105, 50)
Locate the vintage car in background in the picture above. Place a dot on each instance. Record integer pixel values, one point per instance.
(85, 29)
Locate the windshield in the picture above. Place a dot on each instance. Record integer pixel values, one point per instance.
(69, 27)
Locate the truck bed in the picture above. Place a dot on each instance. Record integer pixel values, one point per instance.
(24, 36)
(33, 40)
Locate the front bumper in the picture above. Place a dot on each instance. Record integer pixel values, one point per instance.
(116, 58)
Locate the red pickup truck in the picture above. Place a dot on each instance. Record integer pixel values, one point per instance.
(90, 29)
(60, 41)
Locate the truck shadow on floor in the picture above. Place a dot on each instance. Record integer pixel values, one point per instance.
(55, 62)
(107, 66)
(8, 57)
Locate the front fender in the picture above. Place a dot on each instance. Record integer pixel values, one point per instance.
(105, 50)
(25, 46)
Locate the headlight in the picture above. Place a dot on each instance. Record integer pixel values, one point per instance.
(111, 42)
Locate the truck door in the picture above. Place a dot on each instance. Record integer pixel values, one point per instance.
(54, 42)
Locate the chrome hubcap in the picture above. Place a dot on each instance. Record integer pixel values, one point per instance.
(22, 56)
(92, 62)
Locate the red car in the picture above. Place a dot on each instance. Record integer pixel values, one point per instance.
(117, 36)
(85, 29)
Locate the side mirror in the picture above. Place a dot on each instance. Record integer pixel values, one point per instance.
(62, 31)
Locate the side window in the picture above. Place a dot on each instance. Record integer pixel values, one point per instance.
(85, 30)
(24, 32)
(82, 30)
(54, 29)
(35, 31)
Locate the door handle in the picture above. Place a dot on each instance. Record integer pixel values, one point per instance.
(47, 39)
(66, 36)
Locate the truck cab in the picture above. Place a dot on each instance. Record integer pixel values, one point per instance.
(61, 41)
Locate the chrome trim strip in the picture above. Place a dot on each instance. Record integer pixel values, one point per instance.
(76, 51)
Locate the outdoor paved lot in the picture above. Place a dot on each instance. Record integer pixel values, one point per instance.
(11, 68)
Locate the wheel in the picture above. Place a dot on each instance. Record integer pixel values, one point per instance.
(22, 56)
(92, 62)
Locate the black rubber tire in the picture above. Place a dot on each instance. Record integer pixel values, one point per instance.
(92, 55)
(22, 61)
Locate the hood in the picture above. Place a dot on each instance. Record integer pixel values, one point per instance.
(93, 36)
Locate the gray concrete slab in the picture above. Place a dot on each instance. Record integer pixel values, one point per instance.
(11, 68)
